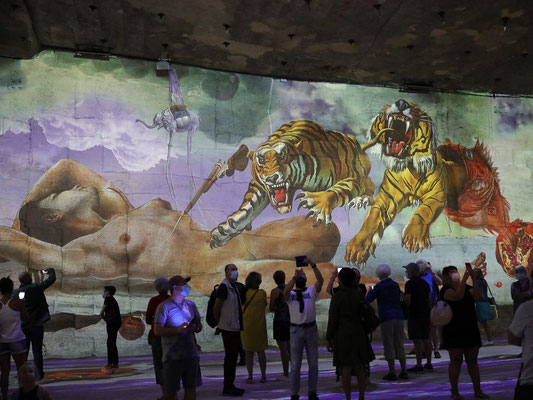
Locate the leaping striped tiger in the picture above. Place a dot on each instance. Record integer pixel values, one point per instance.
(415, 174)
(329, 167)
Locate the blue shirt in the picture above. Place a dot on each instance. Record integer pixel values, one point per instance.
(170, 314)
(387, 292)
(428, 277)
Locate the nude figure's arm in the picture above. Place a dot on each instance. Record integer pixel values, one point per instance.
(35, 254)
(25, 250)
(66, 174)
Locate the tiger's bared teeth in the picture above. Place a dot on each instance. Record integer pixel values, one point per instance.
(389, 148)
(390, 123)
(407, 124)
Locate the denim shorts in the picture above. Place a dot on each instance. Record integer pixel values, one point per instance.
(13, 347)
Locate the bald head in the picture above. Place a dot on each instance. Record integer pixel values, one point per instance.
(25, 278)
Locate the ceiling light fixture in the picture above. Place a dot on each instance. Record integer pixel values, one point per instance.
(162, 66)
(416, 87)
(92, 55)
(442, 15)
(505, 20)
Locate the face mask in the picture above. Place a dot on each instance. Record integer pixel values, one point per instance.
(185, 290)
(103, 295)
(300, 282)
(234, 275)
(520, 275)
(455, 277)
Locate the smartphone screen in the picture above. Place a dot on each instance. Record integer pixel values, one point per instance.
(44, 271)
(21, 295)
(339, 269)
(300, 261)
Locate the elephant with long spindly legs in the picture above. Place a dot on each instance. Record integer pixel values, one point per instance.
(174, 119)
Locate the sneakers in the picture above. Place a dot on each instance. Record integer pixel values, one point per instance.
(437, 354)
(489, 343)
(233, 392)
(390, 377)
(403, 375)
(108, 369)
(312, 396)
(428, 367)
(417, 369)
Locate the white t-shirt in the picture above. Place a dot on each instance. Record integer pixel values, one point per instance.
(309, 314)
(522, 327)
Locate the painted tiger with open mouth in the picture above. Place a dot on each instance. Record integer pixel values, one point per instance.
(329, 167)
(415, 174)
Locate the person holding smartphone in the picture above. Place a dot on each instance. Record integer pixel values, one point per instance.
(12, 340)
(304, 332)
(177, 320)
(37, 307)
(461, 336)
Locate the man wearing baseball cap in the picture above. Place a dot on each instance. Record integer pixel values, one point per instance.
(176, 321)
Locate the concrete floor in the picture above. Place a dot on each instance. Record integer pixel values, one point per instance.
(80, 379)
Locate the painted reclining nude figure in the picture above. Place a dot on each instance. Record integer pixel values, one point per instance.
(82, 225)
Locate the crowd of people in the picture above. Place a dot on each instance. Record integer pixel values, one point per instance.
(23, 313)
(239, 312)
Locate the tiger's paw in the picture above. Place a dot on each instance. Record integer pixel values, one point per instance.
(361, 202)
(222, 234)
(319, 204)
(415, 236)
(358, 249)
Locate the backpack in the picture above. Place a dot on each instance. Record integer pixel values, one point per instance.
(369, 319)
(210, 315)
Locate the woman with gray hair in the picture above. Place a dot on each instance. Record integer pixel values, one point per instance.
(161, 286)
(388, 294)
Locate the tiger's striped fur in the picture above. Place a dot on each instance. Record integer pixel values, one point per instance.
(328, 166)
(415, 174)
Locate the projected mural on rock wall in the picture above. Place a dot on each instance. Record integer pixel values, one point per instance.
(93, 188)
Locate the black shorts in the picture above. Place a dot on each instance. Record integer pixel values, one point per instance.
(282, 330)
(418, 329)
(184, 370)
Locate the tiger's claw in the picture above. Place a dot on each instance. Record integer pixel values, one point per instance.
(360, 202)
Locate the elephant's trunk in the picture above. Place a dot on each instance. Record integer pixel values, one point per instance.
(145, 124)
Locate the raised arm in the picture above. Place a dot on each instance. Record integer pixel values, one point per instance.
(318, 276)
(288, 289)
(457, 295)
(329, 288)
(48, 281)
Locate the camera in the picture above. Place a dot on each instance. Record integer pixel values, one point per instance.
(21, 295)
(300, 261)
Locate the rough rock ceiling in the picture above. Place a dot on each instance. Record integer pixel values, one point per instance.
(470, 45)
